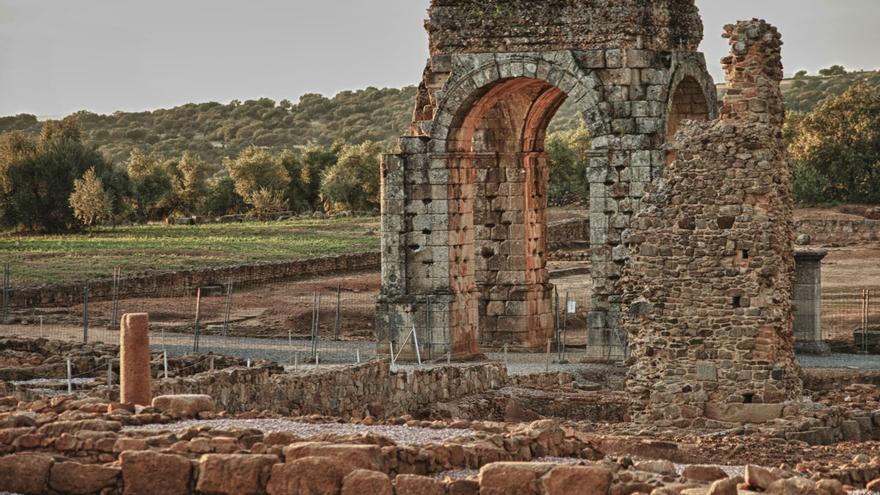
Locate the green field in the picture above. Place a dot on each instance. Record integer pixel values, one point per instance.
(42, 259)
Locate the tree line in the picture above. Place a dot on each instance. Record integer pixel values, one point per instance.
(63, 175)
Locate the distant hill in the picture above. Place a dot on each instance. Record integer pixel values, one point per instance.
(214, 130)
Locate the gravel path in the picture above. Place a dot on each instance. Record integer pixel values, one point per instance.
(851, 361)
(402, 435)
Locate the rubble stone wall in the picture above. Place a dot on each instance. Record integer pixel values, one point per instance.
(352, 391)
(839, 232)
(708, 265)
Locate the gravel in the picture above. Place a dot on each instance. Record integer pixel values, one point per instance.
(402, 435)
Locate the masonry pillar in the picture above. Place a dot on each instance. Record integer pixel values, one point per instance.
(134, 360)
(808, 301)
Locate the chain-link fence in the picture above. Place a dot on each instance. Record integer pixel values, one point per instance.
(331, 320)
(851, 319)
(283, 322)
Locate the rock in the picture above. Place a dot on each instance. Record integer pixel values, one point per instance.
(873, 213)
(152, 473)
(24, 473)
(82, 479)
(464, 487)
(184, 406)
(744, 413)
(234, 474)
(851, 431)
(874, 486)
(364, 481)
(792, 486)
(803, 240)
(759, 478)
(312, 475)
(832, 487)
(704, 473)
(123, 444)
(661, 467)
(723, 487)
(56, 428)
(512, 478)
(356, 456)
(514, 412)
(412, 484)
(585, 480)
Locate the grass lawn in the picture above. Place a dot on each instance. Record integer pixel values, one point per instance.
(41, 259)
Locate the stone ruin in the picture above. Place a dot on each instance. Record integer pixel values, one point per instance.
(464, 245)
(710, 261)
(691, 232)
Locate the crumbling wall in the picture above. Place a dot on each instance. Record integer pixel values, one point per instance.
(708, 279)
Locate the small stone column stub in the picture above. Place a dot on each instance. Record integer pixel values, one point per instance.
(134, 360)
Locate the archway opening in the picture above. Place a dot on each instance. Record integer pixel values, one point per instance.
(498, 177)
(688, 103)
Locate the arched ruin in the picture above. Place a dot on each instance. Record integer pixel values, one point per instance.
(463, 203)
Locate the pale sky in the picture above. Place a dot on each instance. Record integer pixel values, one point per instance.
(59, 56)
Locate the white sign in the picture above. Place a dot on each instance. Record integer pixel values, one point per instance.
(572, 307)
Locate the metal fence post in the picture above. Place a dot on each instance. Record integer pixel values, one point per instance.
(86, 313)
(338, 321)
(7, 276)
(228, 309)
(114, 313)
(865, 304)
(198, 318)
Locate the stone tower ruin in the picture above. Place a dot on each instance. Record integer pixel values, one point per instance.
(709, 276)
(464, 240)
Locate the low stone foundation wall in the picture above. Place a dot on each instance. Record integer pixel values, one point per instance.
(563, 233)
(354, 391)
(156, 283)
(842, 232)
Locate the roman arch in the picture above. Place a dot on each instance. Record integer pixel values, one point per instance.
(464, 200)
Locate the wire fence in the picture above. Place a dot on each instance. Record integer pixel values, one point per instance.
(331, 321)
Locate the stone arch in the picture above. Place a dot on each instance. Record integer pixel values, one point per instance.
(489, 132)
(692, 96)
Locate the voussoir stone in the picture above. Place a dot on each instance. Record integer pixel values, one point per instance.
(234, 474)
(184, 406)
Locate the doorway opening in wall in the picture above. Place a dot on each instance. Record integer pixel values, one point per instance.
(509, 168)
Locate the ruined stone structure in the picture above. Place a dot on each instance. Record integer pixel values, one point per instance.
(708, 282)
(807, 298)
(463, 204)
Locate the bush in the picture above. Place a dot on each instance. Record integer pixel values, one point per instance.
(353, 182)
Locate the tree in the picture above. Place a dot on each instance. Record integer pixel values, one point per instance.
(568, 162)
(37, 176)
(190, 183)
(352, 183)
(800, 74)
(151, 185)
(255, 169)
(838, 147)
(267, 201)
(90, 202)
(834, 70)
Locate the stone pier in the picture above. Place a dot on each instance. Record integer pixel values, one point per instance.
(134, 360)
(808, 301)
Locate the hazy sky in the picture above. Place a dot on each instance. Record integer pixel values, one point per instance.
(59, 56)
